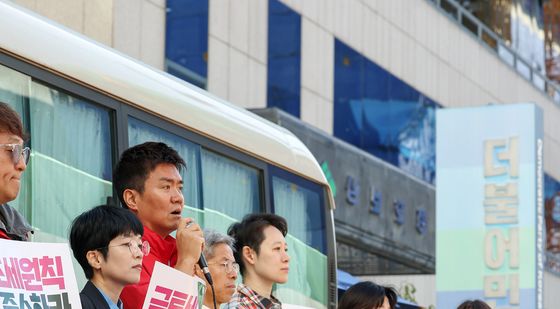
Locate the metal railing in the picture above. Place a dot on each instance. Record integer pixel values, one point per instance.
(503, 50)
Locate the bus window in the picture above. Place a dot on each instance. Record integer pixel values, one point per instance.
(71, 158)
(302, 204)
(140, 132)
(14, 90)
(230, 190)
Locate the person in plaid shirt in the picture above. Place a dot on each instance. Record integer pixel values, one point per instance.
(262, 254)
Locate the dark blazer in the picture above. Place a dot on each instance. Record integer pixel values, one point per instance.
(91, 298)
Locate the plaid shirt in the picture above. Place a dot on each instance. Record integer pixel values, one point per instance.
(245, 298)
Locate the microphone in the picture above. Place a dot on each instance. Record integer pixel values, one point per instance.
(204, 266)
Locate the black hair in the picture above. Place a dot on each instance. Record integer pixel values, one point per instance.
(367, 295)
(249, 232)
(95, 228)
(473, 304)
(137, 162)
(10, 122)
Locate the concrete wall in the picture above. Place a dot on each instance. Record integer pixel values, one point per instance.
(134, 27)
(237, 51)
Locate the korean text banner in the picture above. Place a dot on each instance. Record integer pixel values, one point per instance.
(37, 275)
(489, 206)
(170, 288)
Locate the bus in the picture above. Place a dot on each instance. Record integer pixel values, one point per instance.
(83, 104)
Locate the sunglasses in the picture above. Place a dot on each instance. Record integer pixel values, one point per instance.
(18, 151)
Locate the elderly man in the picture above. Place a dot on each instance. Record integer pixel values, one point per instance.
(13, 161)
(218, 251)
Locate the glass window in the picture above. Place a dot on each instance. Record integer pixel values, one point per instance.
(383, 115)
(186, 45)
(71, 159)
(301, 203)
(230, 190)
(14, 90)
(284, 58)
(140, 132)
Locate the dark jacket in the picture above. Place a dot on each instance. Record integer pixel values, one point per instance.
(13, 224)
(91, 298)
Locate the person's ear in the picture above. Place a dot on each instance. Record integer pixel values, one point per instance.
(130, 198)
(94, 259)
(249, 255)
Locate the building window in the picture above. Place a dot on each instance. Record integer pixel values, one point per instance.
(284, 58)
(186, 45)
(383, 115)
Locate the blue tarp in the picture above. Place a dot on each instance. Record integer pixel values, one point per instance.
(345, 280)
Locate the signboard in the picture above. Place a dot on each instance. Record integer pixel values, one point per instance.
(37, 275)
(170, 288)
(490, 223)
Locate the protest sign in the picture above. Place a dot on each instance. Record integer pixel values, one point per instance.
(37, 275)
(173, 289)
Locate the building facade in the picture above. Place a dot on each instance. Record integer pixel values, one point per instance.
(366, 76)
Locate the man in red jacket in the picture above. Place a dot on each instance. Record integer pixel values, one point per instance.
(148, 182)
(13, 161)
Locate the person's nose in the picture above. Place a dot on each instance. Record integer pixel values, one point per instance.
(233, 275)
(177, 196)
(286, 257)
(139, 255)
(21, 166)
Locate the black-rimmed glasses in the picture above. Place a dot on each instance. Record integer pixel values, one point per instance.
(229, 266)
(18, 151)
(134, 247)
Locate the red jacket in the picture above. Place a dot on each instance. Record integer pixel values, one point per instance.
(163, 250)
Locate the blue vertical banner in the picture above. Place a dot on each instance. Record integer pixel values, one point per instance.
(489, 206)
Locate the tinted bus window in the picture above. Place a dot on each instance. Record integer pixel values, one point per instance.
(230, 190)
(302, 204)
(71, 159)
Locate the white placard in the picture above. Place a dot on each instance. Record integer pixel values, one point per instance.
(170, 288)
(37, 274)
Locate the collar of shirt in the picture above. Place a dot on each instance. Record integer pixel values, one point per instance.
(111, 304)
(13, 223)
(256, 298)
(163, 249)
